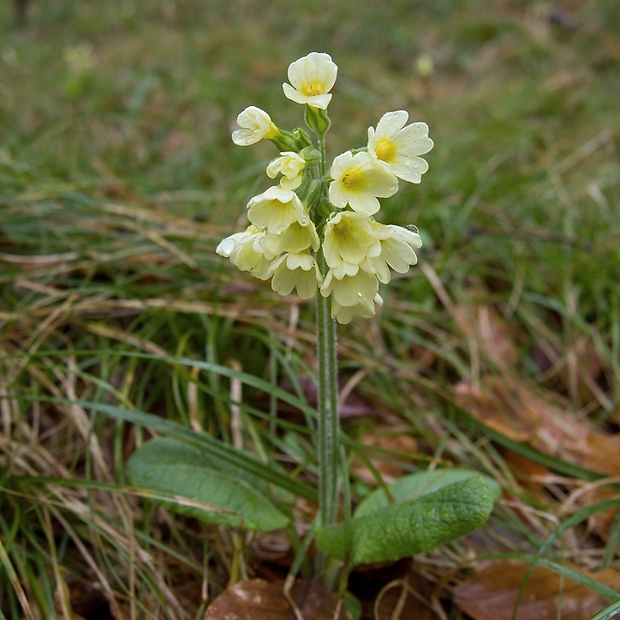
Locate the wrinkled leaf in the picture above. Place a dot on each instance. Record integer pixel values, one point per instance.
(494, 591)
(172, 467)
(416, 526)
(263, 600)
(414, 486)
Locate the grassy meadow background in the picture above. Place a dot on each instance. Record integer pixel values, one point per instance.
(500, 351)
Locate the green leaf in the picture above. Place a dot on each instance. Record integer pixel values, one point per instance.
(416, 485)
(417, 526)
(238, 463)
(174, 468)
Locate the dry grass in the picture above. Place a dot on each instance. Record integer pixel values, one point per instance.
(499, 352)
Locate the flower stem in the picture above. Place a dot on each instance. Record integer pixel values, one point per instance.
(328, 431)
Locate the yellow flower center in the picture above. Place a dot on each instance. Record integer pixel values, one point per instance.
(309, 89)
(385, 150)
(272, 132)
(354, 180)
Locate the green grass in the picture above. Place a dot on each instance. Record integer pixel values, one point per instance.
(116, 184)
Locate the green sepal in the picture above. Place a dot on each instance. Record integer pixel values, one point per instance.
(311, 156)
(317, 120)
(302, 138)
(309, 191)
(286, 141)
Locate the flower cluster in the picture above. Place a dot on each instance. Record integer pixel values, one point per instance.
(315, 231)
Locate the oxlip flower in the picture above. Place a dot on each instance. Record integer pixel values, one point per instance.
(247, 253)
(364, 309)
(311, 78)
(349, 238)
(350, 290)
(255, 124)
(298, 271)
(397, 250)
(399, 147)
(276, 209)
(295, 238)
(352, 295)
(358, 180)
(315, 230)
(291, 165)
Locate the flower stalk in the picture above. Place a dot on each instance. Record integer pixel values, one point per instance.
(328, 420)
(315, 232)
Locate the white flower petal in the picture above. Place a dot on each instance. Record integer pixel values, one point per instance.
(255, 124)
(392, 122)
(311, 78)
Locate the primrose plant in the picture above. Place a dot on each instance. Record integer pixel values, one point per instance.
(315, 233)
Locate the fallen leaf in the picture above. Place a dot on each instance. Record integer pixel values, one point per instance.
(577, 371)
(490, 330)
(493, 592)
(386, 465)
(263, 600)
(527, 471)
(508, 406)
(602, 454)
(513, 409)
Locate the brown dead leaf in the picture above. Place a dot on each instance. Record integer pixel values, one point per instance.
(577, 371)
(602, 454)
(263, 600)
(387, 439)
(527, 471)
(490, 330)
(493, 592)
(513, 409)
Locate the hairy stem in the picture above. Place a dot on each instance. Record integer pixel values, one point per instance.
(328, 431)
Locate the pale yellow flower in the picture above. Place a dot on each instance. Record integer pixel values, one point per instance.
(399, 147)
(255, 124)
(311, 78)
(365, 309)
(358, 180)
(296, 271)
(291, 165)
(246, 252)
(397, 250)
(351, 290)
(353, 295)
(295, 238)
(276, 209)
(349, 238)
